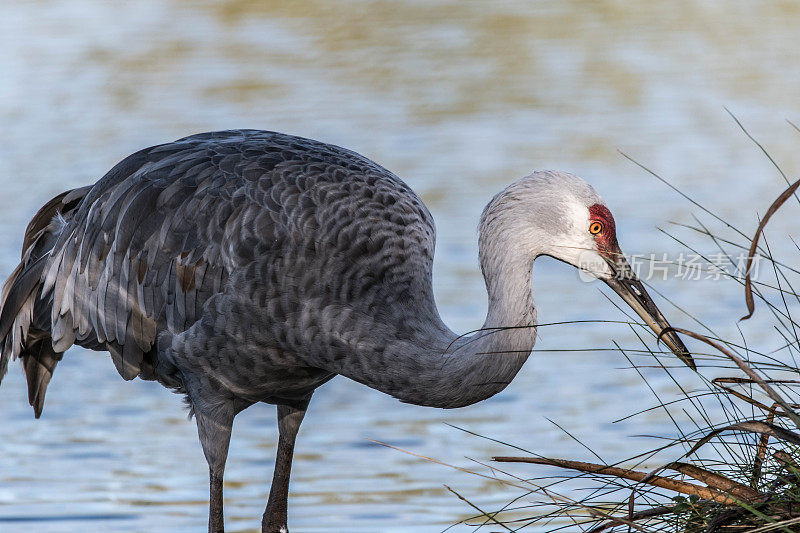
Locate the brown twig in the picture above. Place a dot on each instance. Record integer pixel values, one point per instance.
(716, 481)
(761, 450)
(751, 426)
(717, 382)
(683, 487)
(748, 284)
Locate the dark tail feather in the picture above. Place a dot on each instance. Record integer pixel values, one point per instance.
(20, 330)
(39, 362)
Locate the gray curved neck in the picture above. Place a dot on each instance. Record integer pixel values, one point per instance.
(479, 366)
(437, 368)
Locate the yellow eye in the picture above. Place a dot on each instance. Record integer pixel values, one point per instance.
(595, 228)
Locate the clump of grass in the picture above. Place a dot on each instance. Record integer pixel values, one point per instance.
(738, 474)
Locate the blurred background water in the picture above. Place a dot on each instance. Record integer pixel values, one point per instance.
(457, 97)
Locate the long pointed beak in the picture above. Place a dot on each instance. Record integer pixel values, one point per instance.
(631, 289)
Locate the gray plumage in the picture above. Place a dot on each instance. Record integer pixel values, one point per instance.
(247, 266)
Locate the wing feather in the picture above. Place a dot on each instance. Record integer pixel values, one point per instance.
(124, 267)
(164, 231)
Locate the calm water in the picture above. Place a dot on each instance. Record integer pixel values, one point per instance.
(459, 98)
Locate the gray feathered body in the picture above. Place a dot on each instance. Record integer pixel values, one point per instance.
(247, 266)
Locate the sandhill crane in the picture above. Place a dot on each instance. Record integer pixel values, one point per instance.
(247, 266)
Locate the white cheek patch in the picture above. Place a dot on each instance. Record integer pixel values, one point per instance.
(592, 266)
(581, 251)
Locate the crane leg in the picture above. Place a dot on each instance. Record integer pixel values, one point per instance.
(289, 419)
(214, 430)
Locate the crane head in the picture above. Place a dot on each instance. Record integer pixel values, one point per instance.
(560, 215)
